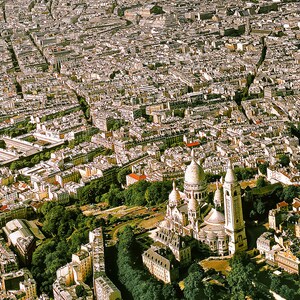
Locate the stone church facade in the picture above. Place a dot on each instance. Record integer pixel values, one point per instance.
(190, 220)
(189, 214)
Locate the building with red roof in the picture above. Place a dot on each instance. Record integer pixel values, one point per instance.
(133, 178)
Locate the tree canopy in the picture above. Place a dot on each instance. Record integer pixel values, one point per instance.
(136, 280)
(66, 230)
(121, 176)
(259, 200)
(290, 192)
(282, 289)
(193, 286)
(284, 160)
(156, 10)
(244, 173)
(241, 276)
(260, 182)
(263, 168)
(158, 192)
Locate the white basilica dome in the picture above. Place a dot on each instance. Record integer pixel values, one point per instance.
(194, 173)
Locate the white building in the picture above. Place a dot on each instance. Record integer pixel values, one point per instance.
(189, 214)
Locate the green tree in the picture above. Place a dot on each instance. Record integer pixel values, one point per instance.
(66, 230)
(263, 168)
(13, 166)
(260, 182)
(193, 286)
(295, 131)
(117, 125)
(46, 207)
(136, 280)
(121, 176)
(80, 291)
(47, 155)
(114, 197)
(241, 276)
(150, 291)
(179, 113)
(157, 192)
(126, 238)
(71, 144)
(213, 177)
(135, 193)
(250, 78)
(112, 219)
(209, 291)
(156, 10)
(239, 258)
(289, 193)
(169, 291)
(196, 268)
(284, 160)
(21, 177)
(52, 218)
(275, 283)
(240, 281)
(90, 192)
(35, 159)
(88, 113)
(2, 144)
(244, 173)
(39, 267)
(260, 207)
(84, 106)
(287, 292)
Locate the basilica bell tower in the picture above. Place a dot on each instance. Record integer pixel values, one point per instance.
(234, 221)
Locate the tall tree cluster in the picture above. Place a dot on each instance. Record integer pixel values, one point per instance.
(65, 229)
(137, 281)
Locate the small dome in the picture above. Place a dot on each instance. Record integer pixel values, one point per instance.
(230, 176)
(174, 196)
(215, 217)
(194, 173)
(218, 196)
(193, 204)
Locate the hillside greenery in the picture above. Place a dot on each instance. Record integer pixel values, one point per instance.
(65, 230)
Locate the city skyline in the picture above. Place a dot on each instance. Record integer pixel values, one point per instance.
(149, 149)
